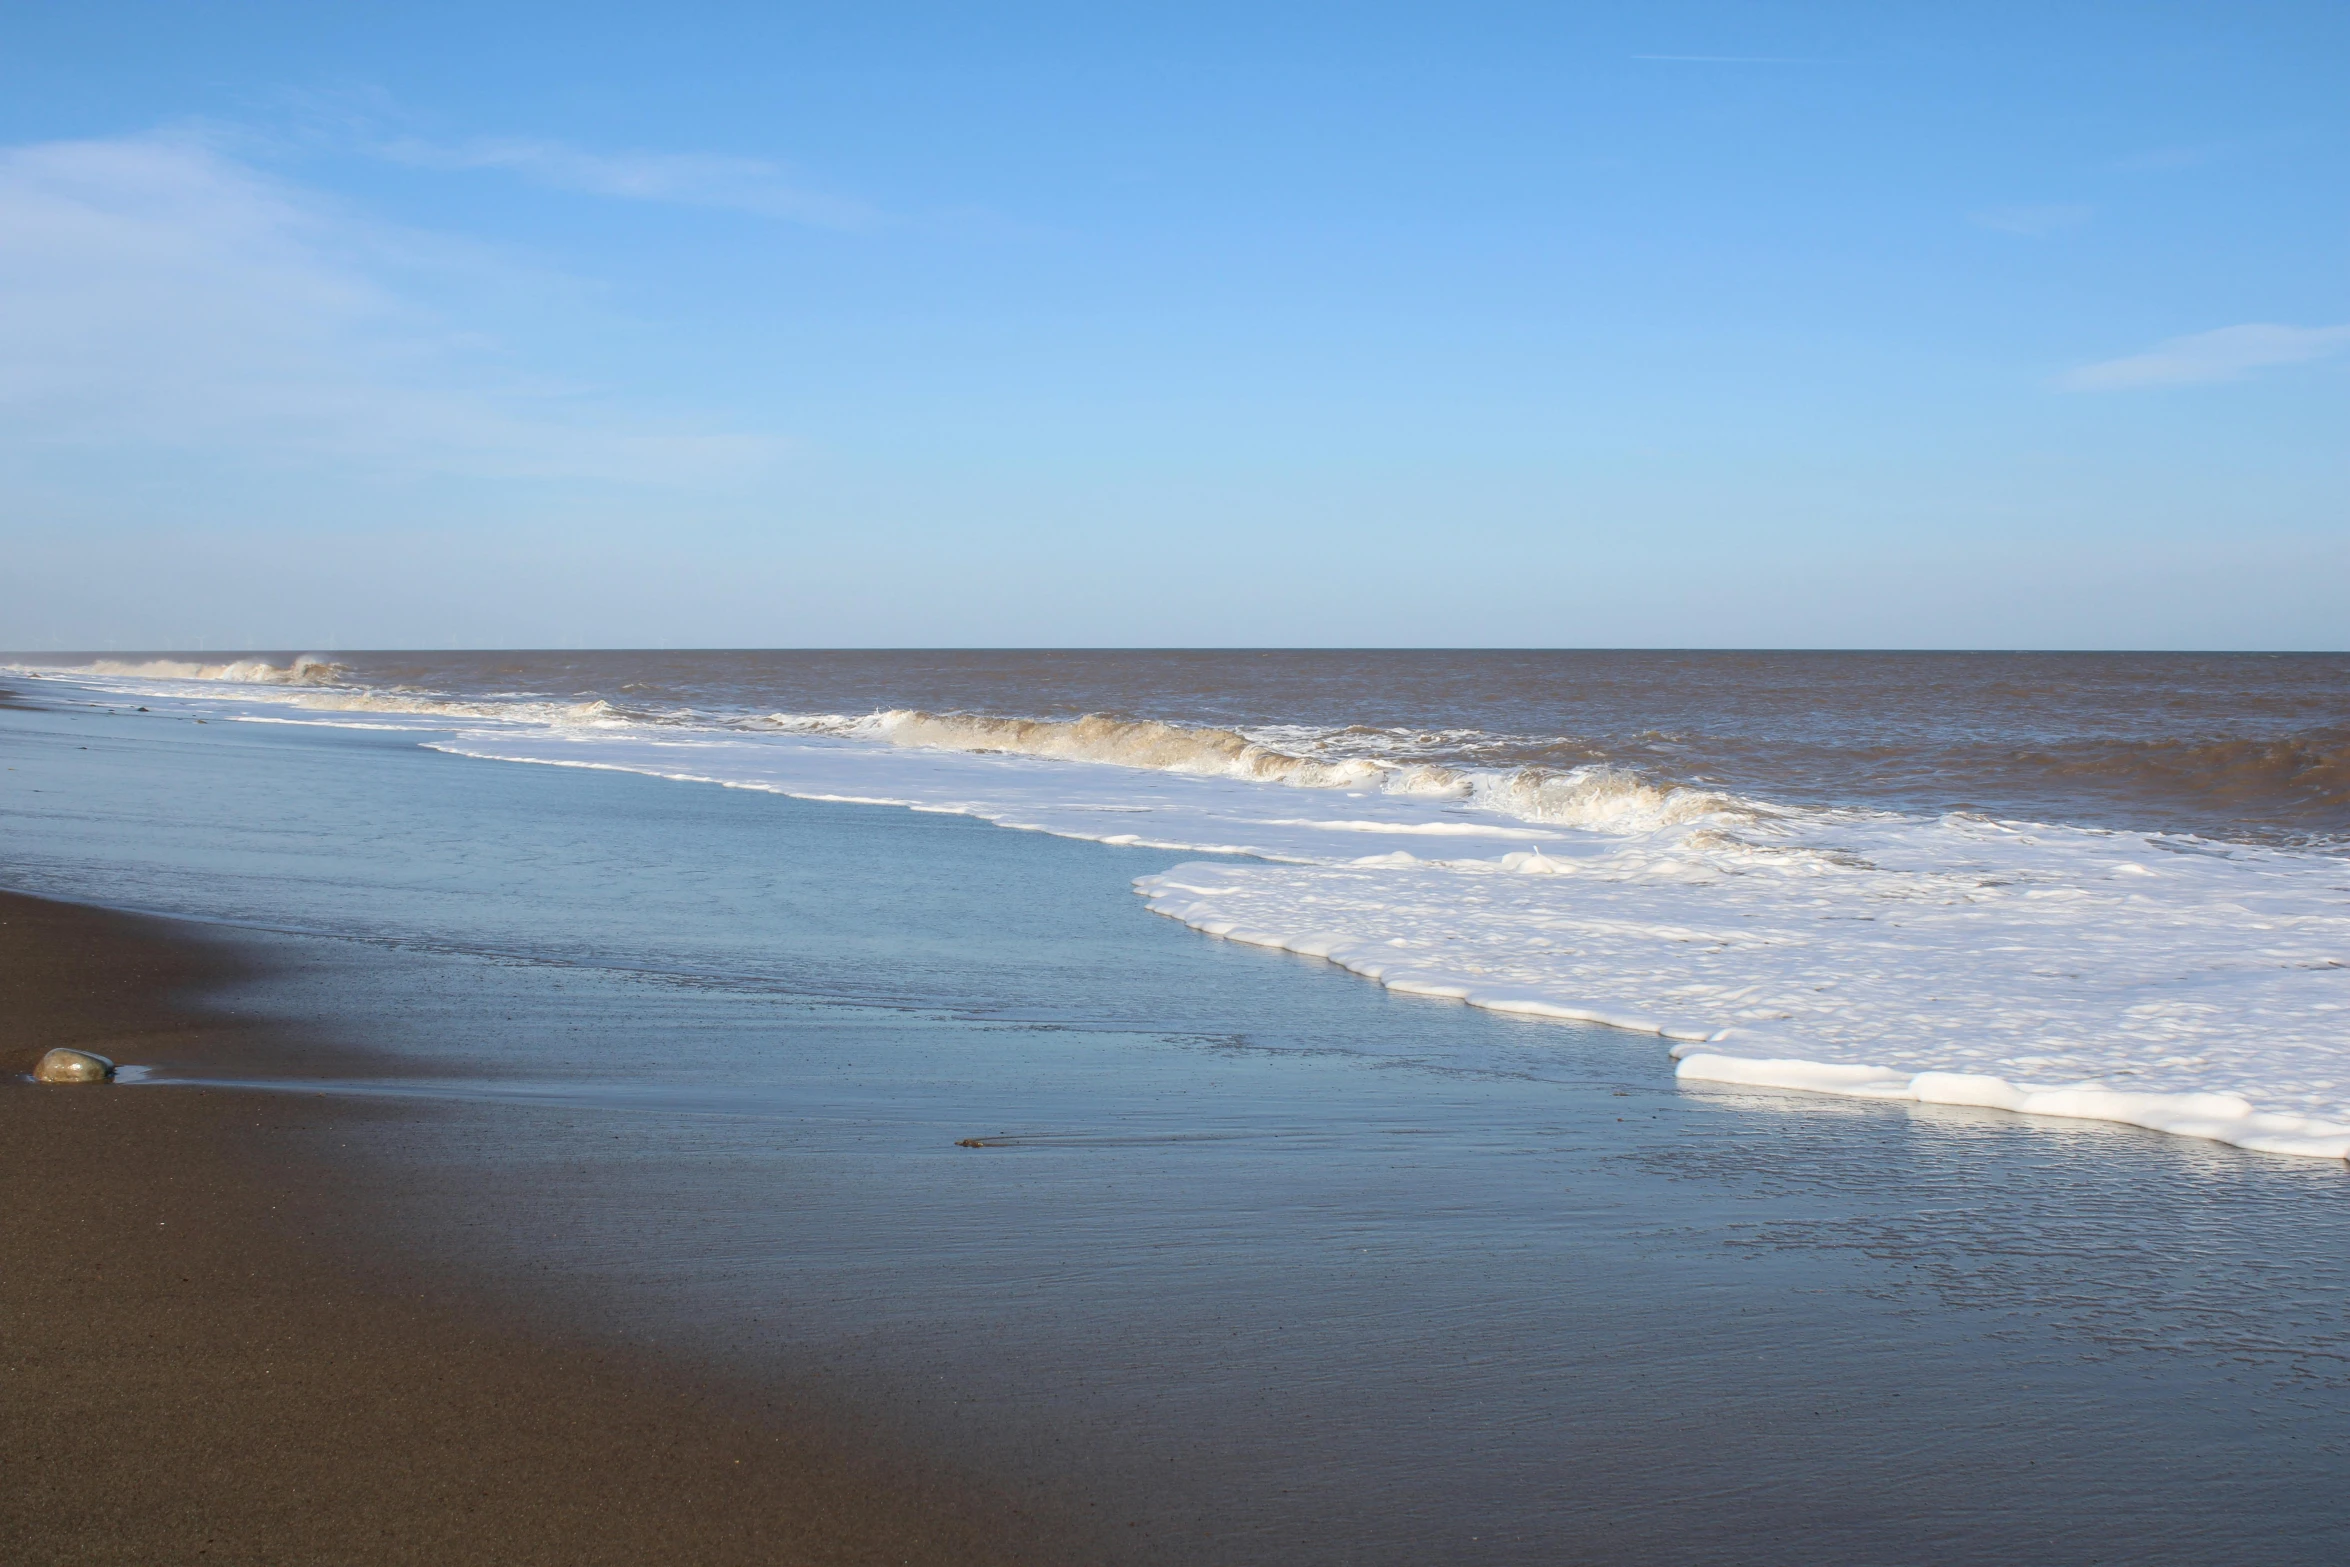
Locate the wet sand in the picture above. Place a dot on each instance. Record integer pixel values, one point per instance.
(193, 1372)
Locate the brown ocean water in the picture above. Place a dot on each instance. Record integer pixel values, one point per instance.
(2235, 745)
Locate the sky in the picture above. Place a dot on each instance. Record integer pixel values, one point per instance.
(1678, 324)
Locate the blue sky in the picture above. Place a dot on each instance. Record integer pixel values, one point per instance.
(1794, 325)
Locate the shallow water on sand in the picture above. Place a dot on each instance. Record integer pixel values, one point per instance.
(1259, 1259)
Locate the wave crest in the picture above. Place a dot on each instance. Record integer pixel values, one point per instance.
(1602, 799)
(1123, 742)
(1595, 797)
(321, 687)
(310, 669)
(596, 711)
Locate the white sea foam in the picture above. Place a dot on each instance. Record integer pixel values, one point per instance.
(2158, 981)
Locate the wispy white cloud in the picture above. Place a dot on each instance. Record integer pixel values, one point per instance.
(2228, 354)
(749, 185)
(158, 294)
(2036, 219)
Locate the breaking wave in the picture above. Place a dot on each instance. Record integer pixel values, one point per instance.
(1552, 782)
(308, 670)
(1600, 797)
(317, 684)
(1146, 743)
(1603, 799)
(559, 713)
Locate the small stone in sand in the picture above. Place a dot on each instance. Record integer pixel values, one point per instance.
(73, 1066)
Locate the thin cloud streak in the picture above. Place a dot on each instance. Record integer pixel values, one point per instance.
(2227, 354)
(749, 185)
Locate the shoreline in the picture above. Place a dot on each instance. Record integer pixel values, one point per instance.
(2197, 1025)
(198, 1366)
(1263, 1264)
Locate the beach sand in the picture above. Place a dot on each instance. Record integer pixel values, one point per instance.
(195, 1371)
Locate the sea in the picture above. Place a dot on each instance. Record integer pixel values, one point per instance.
(1348, 1106)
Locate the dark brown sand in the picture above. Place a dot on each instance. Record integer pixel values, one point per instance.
(188, 1374)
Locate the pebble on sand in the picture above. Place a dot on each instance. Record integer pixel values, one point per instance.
(73, 1066)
